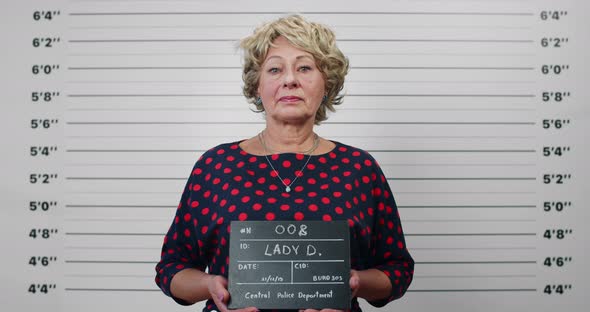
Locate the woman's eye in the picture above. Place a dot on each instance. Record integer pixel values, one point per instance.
(304, 68)
(273, 70)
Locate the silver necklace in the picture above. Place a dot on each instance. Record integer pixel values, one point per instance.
(316, 141)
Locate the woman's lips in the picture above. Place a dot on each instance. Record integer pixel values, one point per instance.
(290, 99)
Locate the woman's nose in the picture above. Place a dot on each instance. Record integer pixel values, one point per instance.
(290, 80)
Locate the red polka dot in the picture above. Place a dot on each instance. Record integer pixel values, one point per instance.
(325, 200)
(195, 204)
(389, 240)
(231, 208)
(337, 194)
(261, 180)
(299, 156)
(205, 211)
(243, 216)
(230, 158)
(298, 216)
(285, 207)
(368, 162)
(270, 216)
(197, 171)
(187, 233)
(313, 207)
(299, 201)
(400, 245)
(187, 217)
(397, 273)
(204, 229)
(238, 178)
(311, 181)
(245, 199)
(310, 167)
(257, 206)
(286, 164)
(338, 210)
(196, 187)
(327, 218)
(248, 184)
(271, 200)
(299, 188)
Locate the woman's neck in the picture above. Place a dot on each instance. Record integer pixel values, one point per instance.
(286, 139)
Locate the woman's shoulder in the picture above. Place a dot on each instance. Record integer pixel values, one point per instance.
(352, 150)
(221, 151)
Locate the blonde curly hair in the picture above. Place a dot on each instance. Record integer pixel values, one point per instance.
(314, 38)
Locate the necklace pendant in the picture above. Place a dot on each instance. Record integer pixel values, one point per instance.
(288, 189)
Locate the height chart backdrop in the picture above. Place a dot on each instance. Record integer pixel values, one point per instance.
(476, 110)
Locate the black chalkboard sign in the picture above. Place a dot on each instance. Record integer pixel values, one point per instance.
(289, 265)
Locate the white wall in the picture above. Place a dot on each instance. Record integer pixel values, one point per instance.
(447, 95)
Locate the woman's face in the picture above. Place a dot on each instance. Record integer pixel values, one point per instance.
(291, 86)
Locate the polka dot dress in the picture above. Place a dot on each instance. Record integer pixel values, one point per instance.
(228, 184)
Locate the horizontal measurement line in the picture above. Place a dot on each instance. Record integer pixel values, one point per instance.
(113, 234)
(376, 151)
(390, 179)
(340, 40)
(463, 179)
(111, 261)
(353, 67)
(476, 262)
(124, 178)
(470, 234)
(111, 289)
(333, 123)
(466, 206)
(408, 234)
(475, 290)
(121, 206)
(348, 95)
(304, 12)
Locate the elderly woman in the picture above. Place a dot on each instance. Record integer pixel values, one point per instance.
(293, 72)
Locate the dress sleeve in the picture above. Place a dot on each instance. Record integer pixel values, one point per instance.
(390, 254)
(180, 249)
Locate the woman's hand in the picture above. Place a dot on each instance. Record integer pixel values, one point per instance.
(217, 286)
